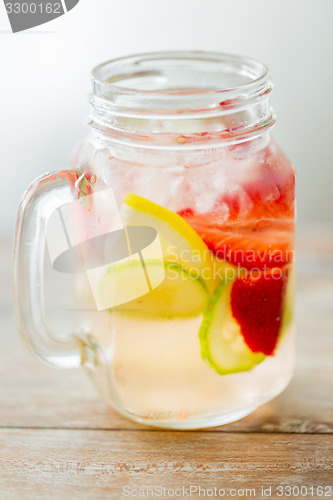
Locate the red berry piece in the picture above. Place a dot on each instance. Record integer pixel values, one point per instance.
(257, 305)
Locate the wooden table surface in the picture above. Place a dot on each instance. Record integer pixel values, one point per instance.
(58, 439)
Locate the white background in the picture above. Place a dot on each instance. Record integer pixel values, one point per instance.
(45, 80)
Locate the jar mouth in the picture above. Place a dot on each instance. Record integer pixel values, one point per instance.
(180, 86)
(150, 73)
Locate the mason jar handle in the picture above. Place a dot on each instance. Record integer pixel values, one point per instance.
(45, 195)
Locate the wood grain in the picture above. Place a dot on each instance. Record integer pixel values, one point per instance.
(98, 464)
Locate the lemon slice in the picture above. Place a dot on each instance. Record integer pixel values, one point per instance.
(179, 295)
(180, 242)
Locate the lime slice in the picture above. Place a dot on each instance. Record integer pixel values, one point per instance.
(180, 294)
(180, 242)
(222, 343)
(288, 304)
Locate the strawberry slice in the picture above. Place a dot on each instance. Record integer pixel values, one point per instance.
(257, 305)
(252, 222)
(256, 243)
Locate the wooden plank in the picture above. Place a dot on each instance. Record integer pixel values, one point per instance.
(39, 464)
(34, 395)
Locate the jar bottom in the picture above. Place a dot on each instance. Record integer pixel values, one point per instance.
(166, 414)
(193, 424)
(204, 420)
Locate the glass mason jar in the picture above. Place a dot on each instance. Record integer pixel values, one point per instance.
(176, 223)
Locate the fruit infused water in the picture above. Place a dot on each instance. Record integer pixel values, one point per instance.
(176, 218)
(215, 339)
